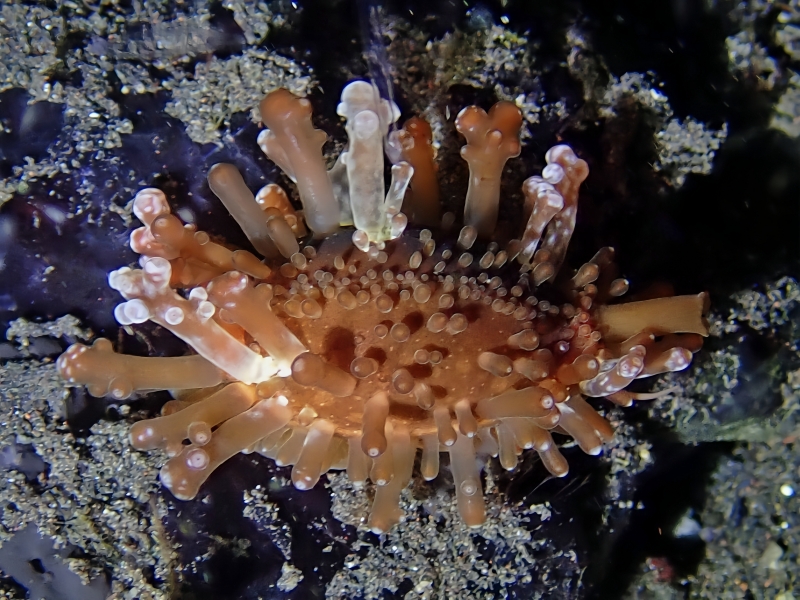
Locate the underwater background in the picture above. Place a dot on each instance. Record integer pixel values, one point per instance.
(687, 113)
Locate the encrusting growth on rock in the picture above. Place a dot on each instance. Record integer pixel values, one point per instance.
(352, 348)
